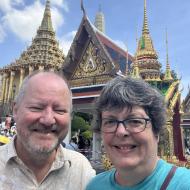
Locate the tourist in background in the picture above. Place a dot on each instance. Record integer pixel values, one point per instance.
(72, 145)
(130, 116)
(8, 122)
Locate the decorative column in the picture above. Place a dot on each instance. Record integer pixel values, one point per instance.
(11, 85)
(21, 77)
(3, 87)
(31, 69)
(96, 144)
(6, 89)
(170, 133)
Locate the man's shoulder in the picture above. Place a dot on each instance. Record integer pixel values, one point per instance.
(3, 156)
(3, 150)
(73, 155)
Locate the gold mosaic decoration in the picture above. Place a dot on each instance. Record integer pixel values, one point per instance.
(91, 63)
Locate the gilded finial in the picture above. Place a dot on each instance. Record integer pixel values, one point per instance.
(145, 24)
(167, 58)
(46, 21)
(48, 4)
(146, 59)
(82, 8)
(168, 75)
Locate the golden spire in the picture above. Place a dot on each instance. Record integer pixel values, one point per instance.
(46, 22)
(167, 75)
(100, 21)
(145, 45)
(146, 57)
(145, 23)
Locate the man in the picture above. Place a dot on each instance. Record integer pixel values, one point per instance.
(34, 159)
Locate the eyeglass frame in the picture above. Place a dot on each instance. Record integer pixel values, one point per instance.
(124, 125)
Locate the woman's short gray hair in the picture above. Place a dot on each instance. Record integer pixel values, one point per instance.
(124, 92)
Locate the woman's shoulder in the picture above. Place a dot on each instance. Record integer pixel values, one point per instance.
(182, 171)
(101, 179)
(180, 179)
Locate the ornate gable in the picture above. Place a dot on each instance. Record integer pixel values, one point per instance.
(89, 62)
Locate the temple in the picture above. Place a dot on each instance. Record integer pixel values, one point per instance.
(92, 60)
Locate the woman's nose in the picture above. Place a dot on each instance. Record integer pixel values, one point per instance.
(121, 130)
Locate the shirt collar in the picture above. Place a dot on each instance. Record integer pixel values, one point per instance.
(62, 157)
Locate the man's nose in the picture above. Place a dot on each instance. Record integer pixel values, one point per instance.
(47, 117)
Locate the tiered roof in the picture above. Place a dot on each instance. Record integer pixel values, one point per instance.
(44, 50)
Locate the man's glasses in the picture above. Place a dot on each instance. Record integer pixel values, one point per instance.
(133, 125)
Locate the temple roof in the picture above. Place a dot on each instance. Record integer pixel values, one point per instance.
(110, 52)
(117, 54)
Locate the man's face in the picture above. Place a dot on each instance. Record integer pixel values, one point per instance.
(43, 115)
(127, 150)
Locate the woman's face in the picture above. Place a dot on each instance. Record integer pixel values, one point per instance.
(127, 150)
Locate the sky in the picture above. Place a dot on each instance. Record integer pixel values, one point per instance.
(20, 19)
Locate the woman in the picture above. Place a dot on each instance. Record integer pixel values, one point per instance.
(131, 115)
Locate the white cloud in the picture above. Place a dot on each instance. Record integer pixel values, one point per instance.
(24, 23)
(61, 3)
(5, 5)
(14, 2)
(66, 40)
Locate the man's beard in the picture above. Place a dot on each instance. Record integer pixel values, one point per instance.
(39, 151)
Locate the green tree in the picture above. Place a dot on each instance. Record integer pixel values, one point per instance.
(79, 123)
(87, 134)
